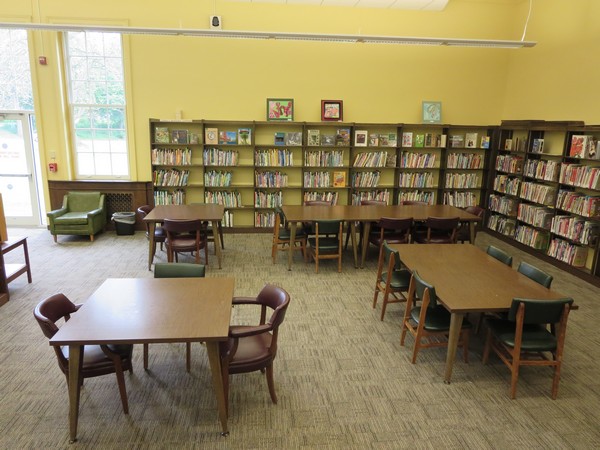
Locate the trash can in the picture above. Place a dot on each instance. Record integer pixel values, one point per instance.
(124, 223)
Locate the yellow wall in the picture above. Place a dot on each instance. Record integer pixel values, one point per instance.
(230, 79)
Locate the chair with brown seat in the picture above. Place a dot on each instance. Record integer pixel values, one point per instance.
(185, 236)
(430, 321)
(394, 231)
(464, 230)
(523, 339)
(177, 270)
(374, 228)
(252, 348)
(282, 237)
(440, 230)
(392, 280)
(327, 242)
(160, 234)
(97, 360)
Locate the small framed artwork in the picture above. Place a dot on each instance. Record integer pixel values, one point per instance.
(332, 110)
(280, 109)
(360, 138)
(432, 112)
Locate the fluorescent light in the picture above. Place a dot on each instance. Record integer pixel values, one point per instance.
(233, 34)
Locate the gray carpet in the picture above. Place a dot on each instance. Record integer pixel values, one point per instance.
(342, 378)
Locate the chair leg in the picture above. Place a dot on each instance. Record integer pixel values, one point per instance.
(188, 356)
(55, 238)
(556, 380)
(416, 346)
(386, 296)
(376, 295)
(271, 383)
(514, 376)
(403, 334)
(465, 339)
(206, 253)
(91, 238)
(486, 348)
(145, 356)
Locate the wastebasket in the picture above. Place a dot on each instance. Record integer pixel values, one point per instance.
(124, 223)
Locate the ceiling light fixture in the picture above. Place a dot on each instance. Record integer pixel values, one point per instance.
(232, 34)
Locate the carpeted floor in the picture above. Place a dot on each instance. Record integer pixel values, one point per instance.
(342, 378)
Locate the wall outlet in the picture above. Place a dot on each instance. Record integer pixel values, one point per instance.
(215, 22)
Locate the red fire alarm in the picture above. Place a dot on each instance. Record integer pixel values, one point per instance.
(53, 167)
(42, 60)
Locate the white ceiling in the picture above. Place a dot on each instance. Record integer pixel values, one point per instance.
(427, 5)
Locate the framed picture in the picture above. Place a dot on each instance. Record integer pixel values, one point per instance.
(332, 110)
(280, 109)
(360, 138)
(432, 112)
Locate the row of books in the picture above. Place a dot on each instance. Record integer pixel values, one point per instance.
(217, 178)
(381, 196)
(419, 140)
(503, 205)
(416, 180)
(292, 139)
(509, 163)
(462, 180)
(532, 237)
(331, 197)
(324, 159)
(171, 156)
(264, 219)
(538, 193)
(274, 157)
(175, 197)
(371, 159)
(538, 216)
(317, 179)
(271, 179)
(517, 144)
(460, 199)
(362, 138)
(578, 203)
(567, 252)
(584, 146)
(216, 157)
(580, 175)
(229, 199)
(170, 177)
(268, 199)
(416, 196)
(542, 169)
(537, 146)
(507, 185)
(162, 135)
(414, 160)
(214, 136)
(227, 220)
(502, 224)
(575, 228)
(464, 161)
(366, 179)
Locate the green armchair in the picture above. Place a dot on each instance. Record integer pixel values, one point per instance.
(82, 213)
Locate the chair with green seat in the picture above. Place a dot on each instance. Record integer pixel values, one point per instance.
(430, 321)
(392, 280)
(282, 236)
(177, 270)
(537, 275)
(500, 255)
(308, 227)
(82, 213)
(523, 338)
(327, 242)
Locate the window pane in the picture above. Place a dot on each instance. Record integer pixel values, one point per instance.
(15, 73)
(119, 164)
(85, 164)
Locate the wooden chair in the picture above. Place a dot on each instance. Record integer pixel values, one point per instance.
(440, 230)
(282, 236)
(430, 321)
(308, 226)
(327, 242)
(464, 231)
(160, 234)
(500, 255)
(523, 339)
(374, 227)
(537, 275)
(185, 236)
(394, 231)
(392, 280)
(177, 270)
(251, 348)
(97, 359)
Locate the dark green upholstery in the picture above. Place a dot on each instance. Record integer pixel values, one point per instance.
(328, 236)
(537, 275)
(178, 270)
(82, 213)
(500, 255)
(392, 280)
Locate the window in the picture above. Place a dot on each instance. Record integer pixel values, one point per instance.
(97, 102)
(15, 76)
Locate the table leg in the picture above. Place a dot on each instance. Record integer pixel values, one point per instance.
(353, 237)
(75, 358)
(26, 252)
(472, 225)
(212, 347)
(453, 336)
(291, 246)
(217, 241)
(365, 242)
(151, 243)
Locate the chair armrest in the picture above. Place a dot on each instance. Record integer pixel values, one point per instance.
(94, 212)
(57, 213)
(252, 331)
(244, 301)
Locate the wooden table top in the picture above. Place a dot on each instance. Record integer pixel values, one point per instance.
(145, 310)
(467, 279)
(362, 213)
(207, 211)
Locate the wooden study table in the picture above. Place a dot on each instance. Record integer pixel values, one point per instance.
(9, 272)
(466, 280)
(367, 214)
(150, 310)
(208, 212)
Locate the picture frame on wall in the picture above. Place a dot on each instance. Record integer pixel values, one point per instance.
(432, 112)
(332, 110)
(280, 109)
